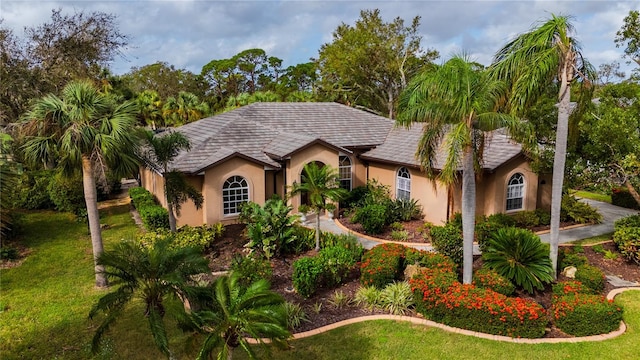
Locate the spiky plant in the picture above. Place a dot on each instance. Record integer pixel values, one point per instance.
(520, 256)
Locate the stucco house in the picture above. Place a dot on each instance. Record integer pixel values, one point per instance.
(256, 151)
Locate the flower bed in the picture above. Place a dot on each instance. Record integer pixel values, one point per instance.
(382, 265)
(584, 315)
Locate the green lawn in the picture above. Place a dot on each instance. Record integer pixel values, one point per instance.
(592, 195)
(47, 298)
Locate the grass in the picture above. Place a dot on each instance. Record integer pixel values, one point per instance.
(593, 239)
(48, 297)
(592, 195)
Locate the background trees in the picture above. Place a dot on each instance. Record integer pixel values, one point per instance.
(88, 130)
(369, 64)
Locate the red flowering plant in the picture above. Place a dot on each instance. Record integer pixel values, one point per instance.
(382, 265)
(583, 314)
(490, 279)
(444, 300)
(429, 259)
(569, 287)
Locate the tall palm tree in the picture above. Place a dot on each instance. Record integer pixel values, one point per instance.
(152, 274)
(150, 107)
(85, 129)
(238, 310)
(319, 183)
(184, 108)
(161, 151)
(456, 102)
(547, 53)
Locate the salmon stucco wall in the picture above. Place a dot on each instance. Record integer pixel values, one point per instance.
(432, 199)
(153, 182)
(214, 179)
(298, 160)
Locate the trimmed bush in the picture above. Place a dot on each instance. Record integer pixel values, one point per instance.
(251, 268)
(627, 237)
(489, 279)
(448, 241)
(544, 216)
(307, 275)
(584, 315)
(622, 197)
(570, 258)
(382, 265)
(520, 256)
(428, 259)
(441, 298)
(526, 219)
(502, 219)
(570, 287)
(154, 217)
(591, 277)
(372, 217)
(337, 262)
(201, 237)
(346, 241)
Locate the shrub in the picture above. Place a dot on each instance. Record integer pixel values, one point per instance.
(307, 274)
(569, 258)
(295, 315)
(251, 268)
(368, 297)
(396, 298)
(404, 210)
(200, 237)
(154, 217)
(584, 315)
(577, 211)
(141, 197)
(544, 216)
(489, 279)
(591, 277)
(622, 197)
(32, 191)
(448, 241)
(441, 298)
(428, 259)
(305, 239)
(520, 256)
(484, 230)
(502, 219)
(337, 263)
(570, 287)
(339, 299)
(400, 235)
(372, 217)
(270, 228)
(382, 265)
(526, 219)
(66, 193)
(627, 237)
(347, 241)
(396, 226)
(9, 253)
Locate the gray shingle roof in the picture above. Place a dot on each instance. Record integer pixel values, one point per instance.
(401, 145)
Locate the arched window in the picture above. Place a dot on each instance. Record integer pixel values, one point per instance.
(515, 192)
(403, 184)
(235, 191)
(344, 170)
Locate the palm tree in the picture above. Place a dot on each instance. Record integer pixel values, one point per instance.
(319, 183)
(84, 129)
(150, 107)
(150, 273)
(548, 53)
(456, 102)
(184, 108)
(161, 151)
(239, 310)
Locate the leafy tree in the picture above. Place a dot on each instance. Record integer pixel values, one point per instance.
(610, 135)
(319, 183)
(456, 103)
(547, 53)
(165, 79)
(608, 72)
(237, 310)
(370, 63)
(160, 153)
(83, 129)
(629, 36)
(183, 109)
(151, 274)
(150, 108)
(251, 63)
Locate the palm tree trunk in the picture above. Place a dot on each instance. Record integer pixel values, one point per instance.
(468, 214)
(172, 217)
(558, 167)
(318, 230)
(91, 200)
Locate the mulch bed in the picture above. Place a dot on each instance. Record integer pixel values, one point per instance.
(233, 243)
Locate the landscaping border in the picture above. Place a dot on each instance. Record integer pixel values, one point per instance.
(421, 321)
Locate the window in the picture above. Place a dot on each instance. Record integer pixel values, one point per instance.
(235, 191)
(344, 170)
(515, 192)
(403, 190)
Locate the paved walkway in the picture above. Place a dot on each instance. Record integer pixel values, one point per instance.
(610, 213)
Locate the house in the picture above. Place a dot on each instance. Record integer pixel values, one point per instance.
(259, 150)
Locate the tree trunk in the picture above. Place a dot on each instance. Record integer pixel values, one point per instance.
(468, 214)
(318, 230)
(172, 217)
(558, 167)
(632, 191)
(91, 200)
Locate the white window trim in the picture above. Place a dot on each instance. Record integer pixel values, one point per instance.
(341, 167)
(516, 188)
(248, 197)
(403, 183)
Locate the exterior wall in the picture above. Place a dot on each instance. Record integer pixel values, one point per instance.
(153, 182)
(432, 198)
(359, 171)
(298, 160)
(214, 179)
(544, 191)
(189, 215)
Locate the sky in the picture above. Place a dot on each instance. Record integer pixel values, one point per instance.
(190, 33)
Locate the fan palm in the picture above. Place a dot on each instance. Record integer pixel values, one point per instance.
(85, 129)
(456, 103)
(151, 274)
(161, 151)
(320, 183)
(184, 108)
(239, 310)
(548, 53)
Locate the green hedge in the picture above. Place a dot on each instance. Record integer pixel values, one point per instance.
(584, 315)
(382, 265)
(448, 241)
(490, 279)
(307, 274)
(153, 215)
(591, 277)
(627, 237)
